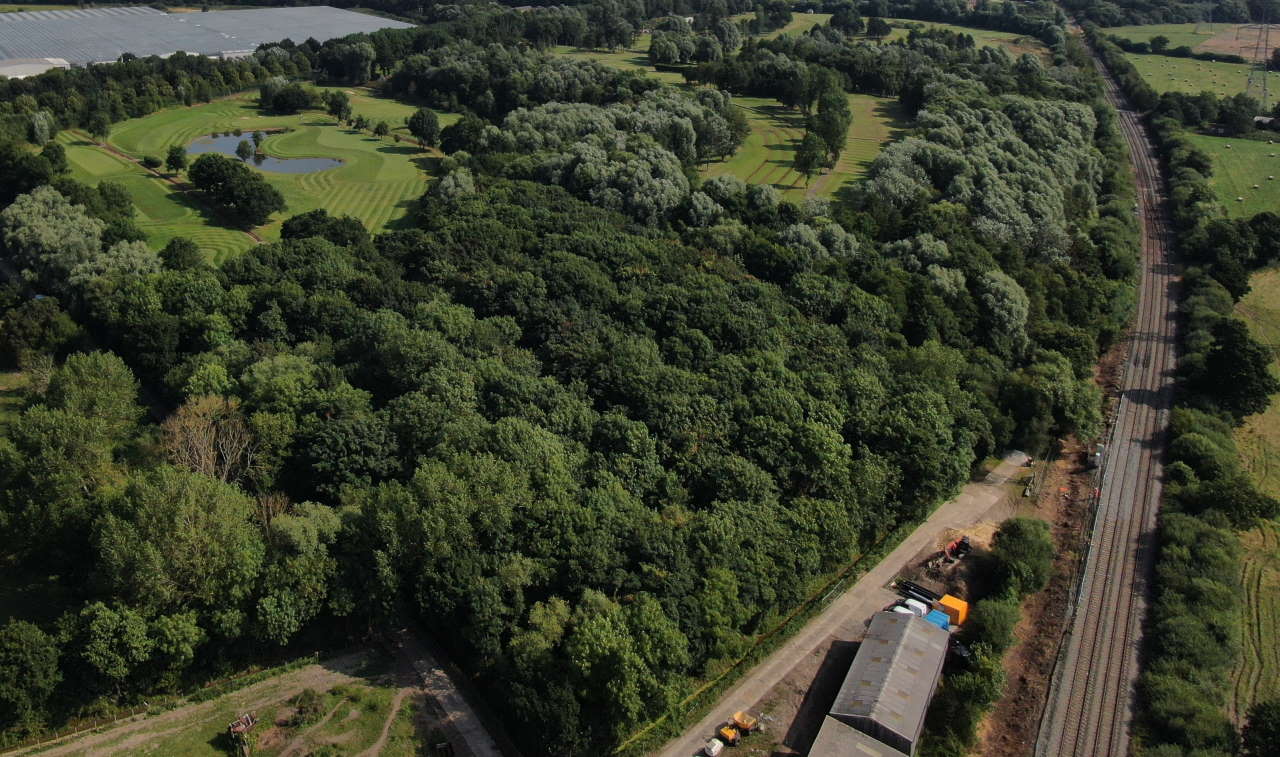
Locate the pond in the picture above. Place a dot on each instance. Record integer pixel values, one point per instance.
(226, 145)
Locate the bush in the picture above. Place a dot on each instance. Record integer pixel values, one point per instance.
(152, 162)
(308, 705)
(991, 621)
(1023, 551)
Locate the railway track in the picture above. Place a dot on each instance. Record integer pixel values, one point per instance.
(1090, 706)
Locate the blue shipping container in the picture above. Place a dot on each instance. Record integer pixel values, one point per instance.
(939, 619)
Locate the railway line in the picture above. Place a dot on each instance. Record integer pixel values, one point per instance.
(1090, 706)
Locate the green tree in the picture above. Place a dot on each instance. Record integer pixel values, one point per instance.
(832, 122)
(1261, 733)
(381, 129)
(878, 28)
(1023, 551)
(992, 621)
(37, 327)
(28, 673)
(97, 385)
(46, 237)
(112, 644)
(337, 104)
(99, 126)
(1237, 370)
(176, 159)
(1159, 43)
(810, 155)
(244, 150)
(298, 571)
(178, 541)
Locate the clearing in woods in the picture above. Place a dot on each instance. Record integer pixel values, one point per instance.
(1015, 43)
(1241, 167)
(1256, 674)
(353, 705)
(377, 182)
(768, 154)
(1166, 74)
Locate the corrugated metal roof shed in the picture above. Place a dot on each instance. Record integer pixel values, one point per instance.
(837, 739)
(95, 35)
(887, 690)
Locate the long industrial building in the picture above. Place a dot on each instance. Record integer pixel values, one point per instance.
(99, 35)
(880, 709)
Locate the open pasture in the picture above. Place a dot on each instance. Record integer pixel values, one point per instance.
(1238, 166)
(1166, 74)
(1256, 675)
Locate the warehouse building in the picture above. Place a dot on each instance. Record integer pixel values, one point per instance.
(887, 691)
(102, 35)
(837, 739)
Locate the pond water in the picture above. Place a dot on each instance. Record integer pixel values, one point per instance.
(226, 145)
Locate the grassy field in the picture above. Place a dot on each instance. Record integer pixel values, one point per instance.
(1178, 34)
(162, 211)
(1257, 671)
(1256, 675)
(377, 182)
(1259, 438)
(634, 58)
(799, 24)
(307, 711)
(1016, 44)
(1238, 168)
(767, 155)
(1166, 74)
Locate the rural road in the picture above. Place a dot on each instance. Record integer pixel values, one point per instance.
(845, 617)
(1090, 704)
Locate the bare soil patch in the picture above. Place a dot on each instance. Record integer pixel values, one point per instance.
(1242, 41)
(1064, 502)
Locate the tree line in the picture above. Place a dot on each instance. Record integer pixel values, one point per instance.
(1193, 634)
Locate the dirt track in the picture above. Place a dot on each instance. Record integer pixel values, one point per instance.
(124, 737)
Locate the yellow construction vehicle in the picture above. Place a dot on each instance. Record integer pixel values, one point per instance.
(745, 723)
(729, 735)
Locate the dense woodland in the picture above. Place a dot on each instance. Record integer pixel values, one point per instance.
(592, 421)
(1126, 12)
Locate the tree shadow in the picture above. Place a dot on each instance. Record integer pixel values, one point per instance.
(893, 114)
(395, 149)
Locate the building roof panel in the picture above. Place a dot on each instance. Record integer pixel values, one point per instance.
(894, 673)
